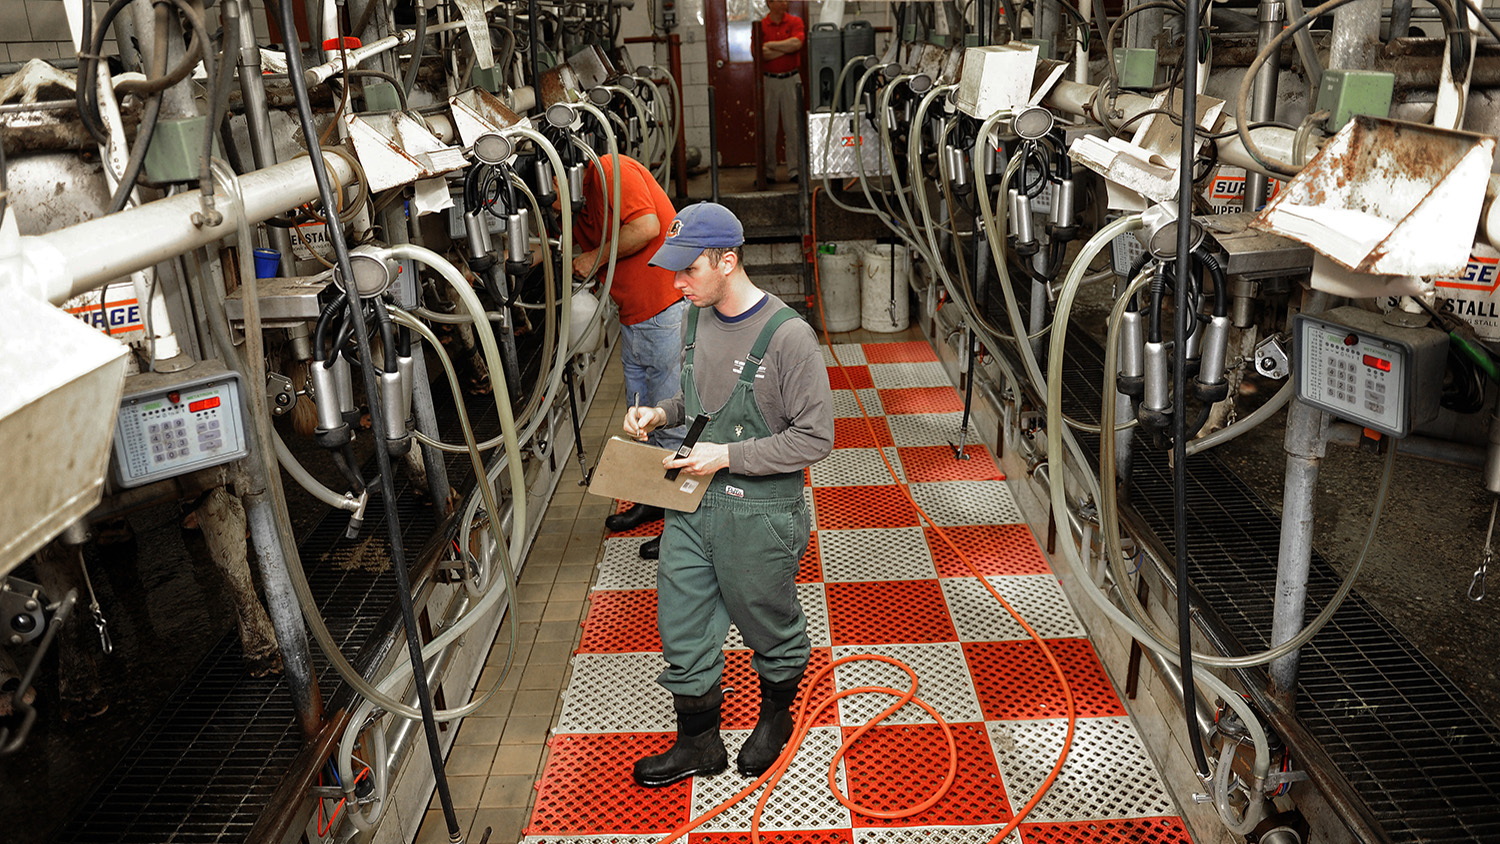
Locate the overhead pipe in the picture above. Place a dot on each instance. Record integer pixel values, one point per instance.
(1083, 100)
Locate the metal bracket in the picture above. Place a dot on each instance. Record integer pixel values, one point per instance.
(1271, 359)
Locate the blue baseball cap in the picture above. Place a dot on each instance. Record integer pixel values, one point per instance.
(706, 225)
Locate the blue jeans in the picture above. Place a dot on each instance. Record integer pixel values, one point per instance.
(651, 351)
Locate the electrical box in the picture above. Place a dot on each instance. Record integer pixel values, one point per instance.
(1360, 366)
(381, 96)
(995, 78)
(825, 58)
(176, 149)
(173, 423)
(1345, 93)
(1135, 67)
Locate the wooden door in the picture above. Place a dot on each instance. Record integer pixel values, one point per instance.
(730, 26)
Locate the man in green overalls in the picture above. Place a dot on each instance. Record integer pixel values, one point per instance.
(754, 368)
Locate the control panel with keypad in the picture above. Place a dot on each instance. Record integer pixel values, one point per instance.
(170, 425)
(1353, 364)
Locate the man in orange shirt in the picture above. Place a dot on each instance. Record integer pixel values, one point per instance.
(782, 36)
(651, 308)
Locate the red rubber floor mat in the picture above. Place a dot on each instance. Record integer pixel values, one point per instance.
(586, 788)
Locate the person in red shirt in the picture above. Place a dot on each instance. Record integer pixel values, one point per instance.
(651, 308)
(782, 36)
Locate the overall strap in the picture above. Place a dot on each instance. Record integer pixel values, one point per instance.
(690, 336)
(758, 351)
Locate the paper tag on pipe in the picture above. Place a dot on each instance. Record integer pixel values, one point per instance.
(431, 195)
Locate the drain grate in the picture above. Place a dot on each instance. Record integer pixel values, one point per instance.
(204, 769)
(1419, 753)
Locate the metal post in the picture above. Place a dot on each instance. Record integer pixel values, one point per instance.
(1356, 35)
(1263, 103)
(258, 126)
(1142, 28)
(674, 64)
(282, 607)
(713, 146)
(1306, 443)
(439, 488)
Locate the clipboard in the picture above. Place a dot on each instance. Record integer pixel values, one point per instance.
(631, 471)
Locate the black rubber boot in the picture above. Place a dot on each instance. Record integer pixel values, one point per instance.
(651, 548)
(772, 728)
(698, 751)
(637, 515)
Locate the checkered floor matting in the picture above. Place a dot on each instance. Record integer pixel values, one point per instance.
(875, 580)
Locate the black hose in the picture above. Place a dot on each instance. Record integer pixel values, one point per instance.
(1216, 272)
(377, 420)
(1184, 274)
(409, 81)
(334, 307)
(387, 334)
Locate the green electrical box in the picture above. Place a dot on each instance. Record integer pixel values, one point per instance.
(1135, 67)
(381, 96)
(176, 149)
(491, 79)
(1345, 93)
(1043, 46)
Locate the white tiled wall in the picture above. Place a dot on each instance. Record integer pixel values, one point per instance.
(38, 29)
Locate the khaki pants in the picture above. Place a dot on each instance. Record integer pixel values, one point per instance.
(784, 106)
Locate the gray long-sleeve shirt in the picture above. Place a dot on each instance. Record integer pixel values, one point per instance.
(791, 389)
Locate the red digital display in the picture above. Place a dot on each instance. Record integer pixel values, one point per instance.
(209, 404)
(1379, 363)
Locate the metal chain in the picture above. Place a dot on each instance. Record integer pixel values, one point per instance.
(100, 622)
(1476, 586)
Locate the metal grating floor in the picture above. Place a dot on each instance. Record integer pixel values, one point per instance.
(1422, 756)
(873, 582)
(207, 764)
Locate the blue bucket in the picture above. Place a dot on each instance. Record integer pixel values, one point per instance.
(267, 263)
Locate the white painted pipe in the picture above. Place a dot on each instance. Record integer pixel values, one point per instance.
(88, 255)
(1076, 99)
(323, 72)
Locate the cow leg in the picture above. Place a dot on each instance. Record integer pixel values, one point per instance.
(59, 568)
(221, 518)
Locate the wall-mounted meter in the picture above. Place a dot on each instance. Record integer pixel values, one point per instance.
(174, 423)
(1358, 366)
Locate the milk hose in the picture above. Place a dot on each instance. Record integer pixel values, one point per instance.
(1070, 554)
